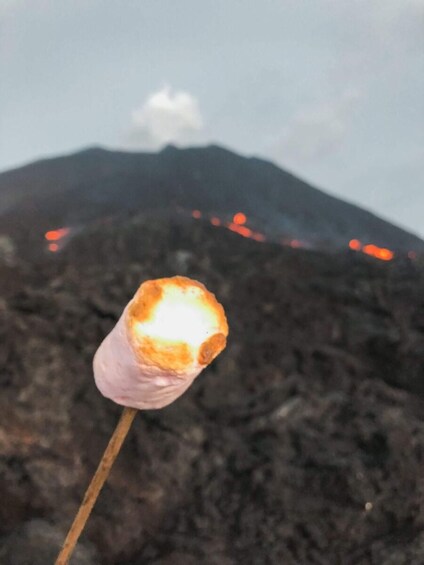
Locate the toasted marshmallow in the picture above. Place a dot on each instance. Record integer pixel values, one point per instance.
(171, 330)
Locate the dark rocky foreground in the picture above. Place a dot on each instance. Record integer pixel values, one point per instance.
(302, 444)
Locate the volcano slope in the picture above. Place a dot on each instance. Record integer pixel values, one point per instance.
(89, 185)
(302, 444)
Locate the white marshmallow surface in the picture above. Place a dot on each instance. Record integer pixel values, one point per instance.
(123, 375)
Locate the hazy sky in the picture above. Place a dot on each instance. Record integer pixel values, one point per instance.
(332, 90)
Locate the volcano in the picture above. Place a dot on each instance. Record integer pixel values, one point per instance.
(96, 183)
(303, 442)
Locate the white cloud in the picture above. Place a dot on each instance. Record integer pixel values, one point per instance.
(316, 131)
(165, 117)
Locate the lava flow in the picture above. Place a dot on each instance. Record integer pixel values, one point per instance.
(373, 250)
(239, 221)
(55, 236)
(237, 225)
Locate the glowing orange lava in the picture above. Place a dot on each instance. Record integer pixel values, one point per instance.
(384, 254)
(241, 230)
(295, 243)
(355, 244)
(236, 226)
(55, 235)
(378, 252)
(372, 250)
(239, 218)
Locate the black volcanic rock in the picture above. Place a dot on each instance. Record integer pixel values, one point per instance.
(94, 183)
(303, 443)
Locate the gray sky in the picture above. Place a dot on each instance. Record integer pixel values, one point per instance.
(332, 90)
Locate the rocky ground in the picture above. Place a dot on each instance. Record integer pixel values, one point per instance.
(302, 444)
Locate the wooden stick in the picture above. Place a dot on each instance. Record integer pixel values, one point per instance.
(97, 482)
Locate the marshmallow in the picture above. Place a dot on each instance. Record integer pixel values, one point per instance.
(167, 334)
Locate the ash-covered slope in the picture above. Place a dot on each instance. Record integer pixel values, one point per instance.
(95, 183)
(303, 443)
